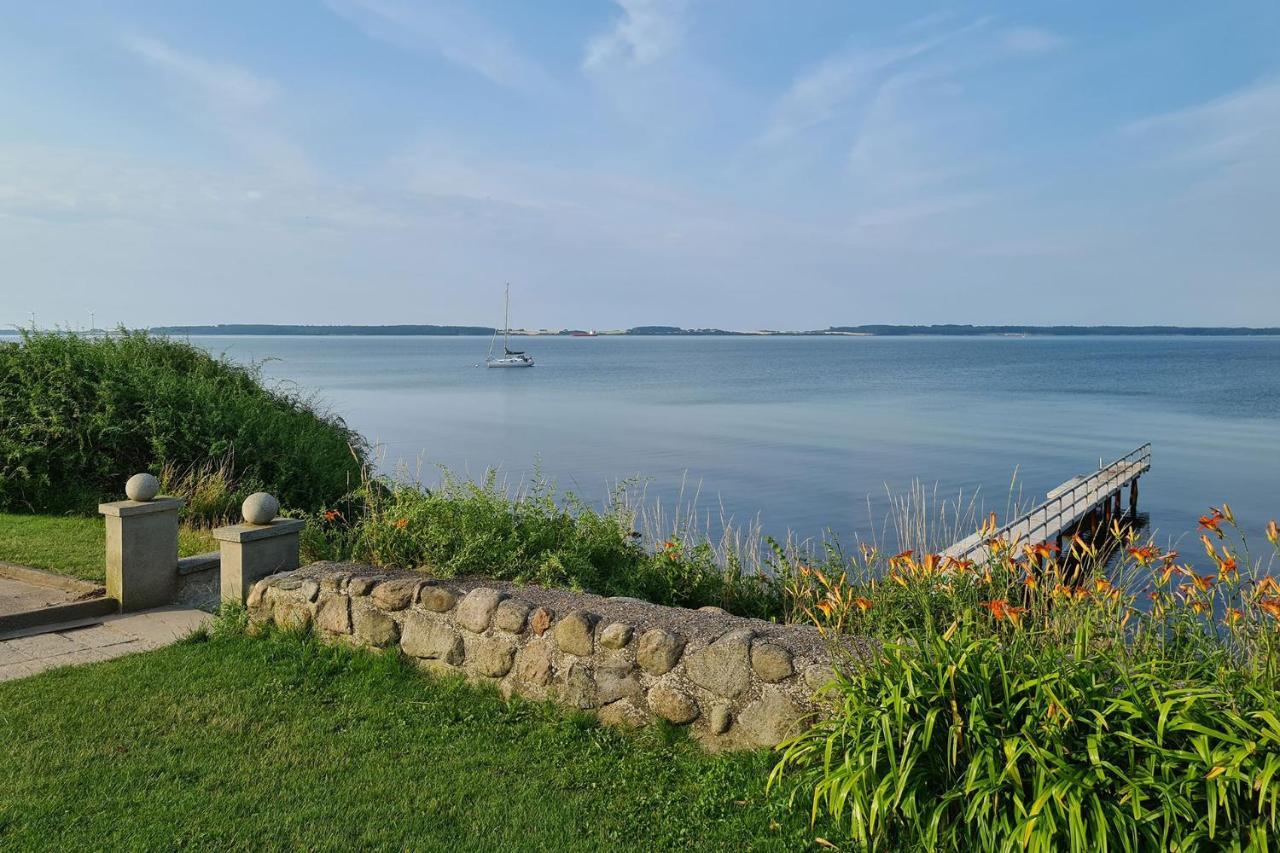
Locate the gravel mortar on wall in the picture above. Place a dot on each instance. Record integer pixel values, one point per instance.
(735, 682)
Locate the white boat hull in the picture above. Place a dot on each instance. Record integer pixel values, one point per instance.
(509, 362)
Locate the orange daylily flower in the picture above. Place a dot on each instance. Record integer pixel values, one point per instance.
(1213, 521)
(1233, 616)
(1001, 610)
(989, 526)
(1042, 551)
(332, 515)
(932, 562)
(1267, 586)
(903, 559)
(1227, 566)
(1145, 555)
(402, 523)
(863, 604)
(1270, 606)
(1273, 532)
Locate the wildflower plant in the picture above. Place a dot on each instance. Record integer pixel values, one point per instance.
(1044, 700)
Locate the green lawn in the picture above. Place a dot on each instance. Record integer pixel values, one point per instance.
(233, 742)
(71, 544)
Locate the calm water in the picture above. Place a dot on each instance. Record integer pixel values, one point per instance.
(803, 430)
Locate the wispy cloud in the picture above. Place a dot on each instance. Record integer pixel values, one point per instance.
(1031, 40)
(646, 31)
(231, 99)
(1239, 129)
(450, 31)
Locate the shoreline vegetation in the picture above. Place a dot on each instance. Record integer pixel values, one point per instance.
(871, 330)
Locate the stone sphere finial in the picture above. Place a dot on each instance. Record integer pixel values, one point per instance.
(260, 508)
(142, 487)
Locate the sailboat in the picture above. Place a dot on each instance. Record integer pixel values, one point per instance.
(510, 357)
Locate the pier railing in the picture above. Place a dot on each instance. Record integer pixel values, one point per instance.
(1066, 504)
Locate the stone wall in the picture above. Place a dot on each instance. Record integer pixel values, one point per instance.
(734, 682)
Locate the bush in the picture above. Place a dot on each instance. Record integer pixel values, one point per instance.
(78, 415)
(466, 528)
(1019, 704)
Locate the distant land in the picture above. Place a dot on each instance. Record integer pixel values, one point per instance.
(875, 330)
(866, 330)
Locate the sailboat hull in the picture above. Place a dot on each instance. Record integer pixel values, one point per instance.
(509, 362)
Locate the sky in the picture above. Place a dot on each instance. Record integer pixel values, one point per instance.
(742, 164)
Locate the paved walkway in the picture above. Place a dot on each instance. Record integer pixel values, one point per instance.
(113, 637)
(17, 595)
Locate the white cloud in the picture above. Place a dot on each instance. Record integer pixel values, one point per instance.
(232, 100)
(1031, 40)
(450, 31)
(647, 31)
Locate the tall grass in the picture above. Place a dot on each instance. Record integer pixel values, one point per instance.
(79, 414)
(532, 533)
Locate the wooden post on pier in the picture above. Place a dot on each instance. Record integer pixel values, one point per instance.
(1133, 498)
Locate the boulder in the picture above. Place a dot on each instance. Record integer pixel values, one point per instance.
(616, 681)
(623, 713)
(672, 704)
(374, 627)
(432, 639)
(575, 633)
(533, 667)
(658, 650)
(540, 620)
(512, 615)
(616, 635)
(394, 594)
(437, 598)
(818, 676)
(724, 667)
(491, 656)
(477, 607)
(333, 614)
(770, 719)
(720, 718)
(291, 614)
(309, 590)
(360, 586)
(771, 662)
(578, 687)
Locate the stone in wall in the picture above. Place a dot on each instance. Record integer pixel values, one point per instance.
(736, 683)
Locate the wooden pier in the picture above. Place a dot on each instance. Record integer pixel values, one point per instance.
(1088, 503)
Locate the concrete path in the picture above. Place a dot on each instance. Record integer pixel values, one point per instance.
(112, 637)
(17, 596)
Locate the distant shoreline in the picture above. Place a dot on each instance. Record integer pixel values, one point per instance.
(879, 330)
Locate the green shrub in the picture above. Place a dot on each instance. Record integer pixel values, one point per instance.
(78, 415)
(467, 528)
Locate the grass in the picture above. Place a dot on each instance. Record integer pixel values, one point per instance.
(535, 534)
(74, 545)
(226, 741)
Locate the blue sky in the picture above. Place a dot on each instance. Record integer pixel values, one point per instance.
(737, 163)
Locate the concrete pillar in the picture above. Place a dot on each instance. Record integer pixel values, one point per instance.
(142, 546)
(250, 551)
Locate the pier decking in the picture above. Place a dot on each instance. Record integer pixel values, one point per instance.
(1096, 496)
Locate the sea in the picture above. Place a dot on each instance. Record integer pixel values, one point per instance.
(814, 436)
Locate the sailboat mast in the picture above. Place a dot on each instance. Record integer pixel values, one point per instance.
(506, 321)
